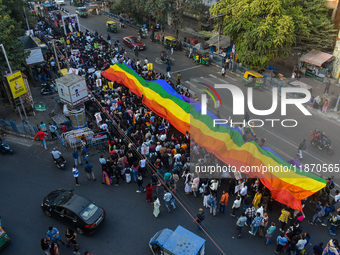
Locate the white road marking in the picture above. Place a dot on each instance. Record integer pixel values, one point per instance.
(192, 85)
(19, 140)
(224, 75)
(182, 70)
(231, 78)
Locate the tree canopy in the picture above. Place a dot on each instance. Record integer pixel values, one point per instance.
(157, 9)
(12, 27)
(266, 30)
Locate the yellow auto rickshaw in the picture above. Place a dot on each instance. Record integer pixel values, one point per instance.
(253, 79)
(204, 56)
(94, 9)
(111, 26)
(170, 42)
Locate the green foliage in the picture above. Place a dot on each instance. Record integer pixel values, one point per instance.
(10, 31)
(157, 9)
(265, 30)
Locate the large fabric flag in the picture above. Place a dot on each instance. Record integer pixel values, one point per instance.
(288, 184)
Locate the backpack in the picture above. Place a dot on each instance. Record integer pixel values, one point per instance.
(153, 156)
(331, 184)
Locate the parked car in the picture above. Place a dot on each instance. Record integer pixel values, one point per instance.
(132, 41)
(73, 210)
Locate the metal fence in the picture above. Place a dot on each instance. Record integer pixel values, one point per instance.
(23, 128)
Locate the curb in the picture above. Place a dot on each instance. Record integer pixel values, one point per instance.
(21, 135)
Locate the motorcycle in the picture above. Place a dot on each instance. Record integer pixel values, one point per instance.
(4, 148)
(60, 162)
(321, 141)
(48, 88)
(165, 58)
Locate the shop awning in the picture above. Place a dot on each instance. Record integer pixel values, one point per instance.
(316, 58)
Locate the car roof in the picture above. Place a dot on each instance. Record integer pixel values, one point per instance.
(131, 37)
(76, 203)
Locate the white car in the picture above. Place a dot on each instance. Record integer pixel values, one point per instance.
(60, 2)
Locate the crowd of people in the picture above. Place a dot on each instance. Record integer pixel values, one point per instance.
(143, 146)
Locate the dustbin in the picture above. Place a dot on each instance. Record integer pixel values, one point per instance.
(78, 118)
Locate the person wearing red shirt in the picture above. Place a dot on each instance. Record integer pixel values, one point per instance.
(42, 137)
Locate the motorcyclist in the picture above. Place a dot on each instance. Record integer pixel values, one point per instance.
(57, 155)
(163, 56)
(316, 136)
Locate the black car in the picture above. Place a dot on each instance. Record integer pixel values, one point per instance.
(73, 210)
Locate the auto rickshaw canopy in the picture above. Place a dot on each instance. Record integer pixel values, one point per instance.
(111, 23)
(170, 38)
(252, 73)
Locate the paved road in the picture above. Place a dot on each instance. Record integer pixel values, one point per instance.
(29, 174)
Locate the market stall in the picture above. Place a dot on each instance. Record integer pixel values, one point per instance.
(316, 64)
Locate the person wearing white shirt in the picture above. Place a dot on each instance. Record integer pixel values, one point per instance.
(163, 137)
(214, 186)
(103, 126)
(158, 147)
(244, 191)
(260, 210)
(236, 206)
(145, 149)
(300, 245)
(337, 196)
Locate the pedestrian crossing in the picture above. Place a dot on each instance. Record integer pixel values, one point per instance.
(229, 77)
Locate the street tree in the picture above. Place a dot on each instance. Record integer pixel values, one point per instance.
(264, 30)
(11, 29)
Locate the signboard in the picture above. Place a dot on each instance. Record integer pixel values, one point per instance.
(40, 107)
(16, 84)
(35, 56)
(99, 136)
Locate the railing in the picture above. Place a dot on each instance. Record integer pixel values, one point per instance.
(23, 128)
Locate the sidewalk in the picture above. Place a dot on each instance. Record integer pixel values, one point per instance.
(7, 113)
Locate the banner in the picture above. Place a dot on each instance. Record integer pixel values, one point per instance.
(16, 84)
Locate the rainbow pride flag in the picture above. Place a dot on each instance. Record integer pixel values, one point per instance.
(288, 187)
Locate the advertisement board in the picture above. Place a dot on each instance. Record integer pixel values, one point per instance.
(16, 84)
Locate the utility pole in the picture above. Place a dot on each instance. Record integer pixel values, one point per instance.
(56, 56)
(219, 29)
(20, 98)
